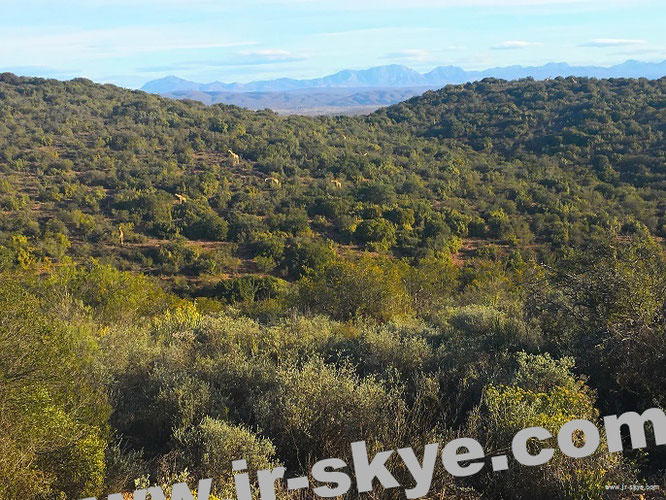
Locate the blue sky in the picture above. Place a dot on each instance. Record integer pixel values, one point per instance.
(128, 42)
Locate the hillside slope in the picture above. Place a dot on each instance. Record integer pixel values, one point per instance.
(538, 166)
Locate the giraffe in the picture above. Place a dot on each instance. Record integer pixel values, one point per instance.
(181, 198)
(336, 183)
(235, 159)
(272, 180)
(121, 236)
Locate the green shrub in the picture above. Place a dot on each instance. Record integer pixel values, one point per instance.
(377, 234)
(249, 289)
(347, 290)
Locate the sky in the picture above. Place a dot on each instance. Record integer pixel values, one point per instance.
(129, 42)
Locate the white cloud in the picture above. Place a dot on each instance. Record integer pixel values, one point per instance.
(400, 31)
(62, 45)
(515, 45)
(237, 59)
(267, 53)
(259, 57)
(612, 42)
(421, 56)
(412, 55)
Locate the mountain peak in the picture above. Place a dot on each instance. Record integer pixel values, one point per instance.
(170, 82)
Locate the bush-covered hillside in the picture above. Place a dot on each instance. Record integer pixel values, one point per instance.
(539, 165)
(182, 285)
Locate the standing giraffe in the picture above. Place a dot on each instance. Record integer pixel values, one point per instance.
(235, 159)
(121, 236)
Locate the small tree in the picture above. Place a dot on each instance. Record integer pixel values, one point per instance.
(377, 234)
(347, 290)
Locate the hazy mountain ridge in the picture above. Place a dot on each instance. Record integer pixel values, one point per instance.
(402, 76)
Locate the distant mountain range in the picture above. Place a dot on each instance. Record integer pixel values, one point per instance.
(401, 76)
(354, 91)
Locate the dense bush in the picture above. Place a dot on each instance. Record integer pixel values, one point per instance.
(52, 409)
(248, 288)
(348, 290)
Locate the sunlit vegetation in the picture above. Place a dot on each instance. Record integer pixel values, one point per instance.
(478, 260)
